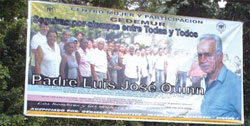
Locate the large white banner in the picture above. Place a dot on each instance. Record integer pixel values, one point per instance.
(99, 63)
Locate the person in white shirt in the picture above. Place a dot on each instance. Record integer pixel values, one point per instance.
(171, 69)
(130, 63)
(99, 63)
(143, 67)
(153, 62)
(165, 54)
(37, 40)
(138, 57)
(185, 62)
(160, 68)
(48, 58)
(149, 55)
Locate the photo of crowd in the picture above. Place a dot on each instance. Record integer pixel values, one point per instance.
(97, 59)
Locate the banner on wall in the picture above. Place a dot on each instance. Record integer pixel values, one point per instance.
(99, 63)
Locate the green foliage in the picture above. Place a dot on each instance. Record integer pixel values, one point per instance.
(4, 75)
(118, 4)
(13, 25)
(15, 120)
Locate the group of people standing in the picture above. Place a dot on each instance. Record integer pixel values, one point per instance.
(78, 58)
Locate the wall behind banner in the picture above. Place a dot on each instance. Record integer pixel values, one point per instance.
(12, 51)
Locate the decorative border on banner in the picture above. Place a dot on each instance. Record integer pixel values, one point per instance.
(138, 118)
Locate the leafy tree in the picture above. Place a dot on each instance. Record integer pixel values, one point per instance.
(13, 29)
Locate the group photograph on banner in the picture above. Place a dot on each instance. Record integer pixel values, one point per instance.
(101, 63)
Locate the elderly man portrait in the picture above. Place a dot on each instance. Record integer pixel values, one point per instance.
(223, 96)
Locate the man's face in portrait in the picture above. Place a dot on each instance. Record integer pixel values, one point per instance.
(207, 57)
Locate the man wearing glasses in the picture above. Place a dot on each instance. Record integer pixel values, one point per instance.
(222, 99)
